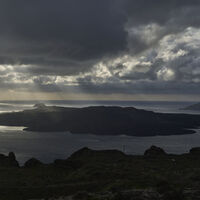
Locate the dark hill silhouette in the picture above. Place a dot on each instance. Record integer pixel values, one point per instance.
(195, 107)
(154, 151)
(103, 174)
(102, 120)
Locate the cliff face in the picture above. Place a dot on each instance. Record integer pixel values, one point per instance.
(102, 120)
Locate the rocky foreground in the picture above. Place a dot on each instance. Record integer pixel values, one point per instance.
(104, 175)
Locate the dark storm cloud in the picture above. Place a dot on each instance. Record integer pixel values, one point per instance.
(159, 11)
(74, 28)
(77, 29)
(43, 39)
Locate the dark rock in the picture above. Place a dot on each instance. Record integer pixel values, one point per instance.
(85, 151)
(8, 161)
(195, 151)
(86, 155)
(154, 151)
(12, 160)
(11, 156)
(33, 162)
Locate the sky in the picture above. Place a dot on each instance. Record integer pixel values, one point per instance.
(100, 50)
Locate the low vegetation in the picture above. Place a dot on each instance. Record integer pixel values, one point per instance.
(108, 174)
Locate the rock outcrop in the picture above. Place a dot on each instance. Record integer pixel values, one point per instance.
(33, 162)
(85, 155)
(108, 174)
(155, 151)
(8, 161)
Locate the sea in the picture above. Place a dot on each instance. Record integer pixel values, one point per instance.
(48, 146)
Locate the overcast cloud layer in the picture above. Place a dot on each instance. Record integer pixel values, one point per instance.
(100, 46)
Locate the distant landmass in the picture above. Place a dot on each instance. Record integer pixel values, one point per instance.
(195, 107)
(101, 120)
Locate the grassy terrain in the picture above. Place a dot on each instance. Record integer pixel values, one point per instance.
(101, 172)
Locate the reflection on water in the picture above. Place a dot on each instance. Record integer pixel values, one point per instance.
(49, 146)
(11, 128)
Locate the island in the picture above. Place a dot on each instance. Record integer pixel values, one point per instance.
(102, 120)
(194, 107)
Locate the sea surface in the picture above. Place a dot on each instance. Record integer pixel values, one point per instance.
(49, 146)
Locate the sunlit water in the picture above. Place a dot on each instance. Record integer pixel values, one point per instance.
(50, 146)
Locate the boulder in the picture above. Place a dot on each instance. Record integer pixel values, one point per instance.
(154, 151)
(11, 156)
(12, 160)
(86, 155)
(8, 161)
(33, 162)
